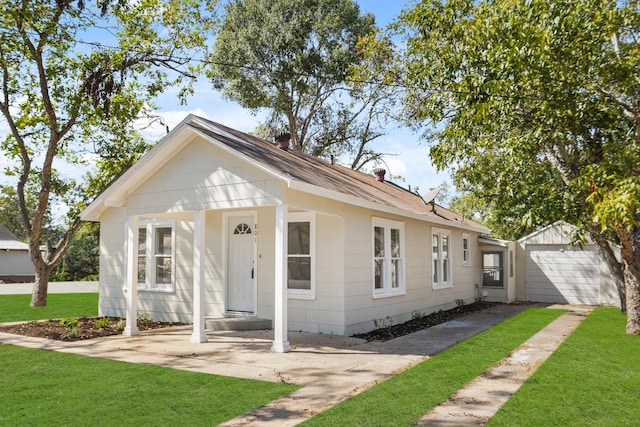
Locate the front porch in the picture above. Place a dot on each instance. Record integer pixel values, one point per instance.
(153, 252)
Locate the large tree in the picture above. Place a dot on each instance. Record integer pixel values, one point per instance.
(537, 109)
(74, 77)
(292, 59)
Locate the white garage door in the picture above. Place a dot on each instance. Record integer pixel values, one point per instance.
(557, 275)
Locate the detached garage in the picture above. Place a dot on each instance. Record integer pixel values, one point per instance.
(551, 270)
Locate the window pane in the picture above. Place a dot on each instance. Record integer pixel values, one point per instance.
(435, 270)
(163, 270)
(510, 263)
(445, 247)
(395, 273)
(395, 243)
(378, 235)
(142, 254)
(379, 274)
(435, 243)
(163, 241)
(445, 270)
(465, 251)
(299, 238)
(142, 241)
(299, 273)
(492, 260)
(142, 269)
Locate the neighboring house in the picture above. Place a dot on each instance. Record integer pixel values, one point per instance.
(15, 263)
(551, 269)
(213, 222)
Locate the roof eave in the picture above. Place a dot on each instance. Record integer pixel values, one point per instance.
(116, 194)
(355, 201)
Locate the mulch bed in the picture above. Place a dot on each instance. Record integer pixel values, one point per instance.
(87, 328)
(388, 331)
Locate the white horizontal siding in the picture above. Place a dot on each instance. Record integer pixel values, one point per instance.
(557, 275)
(202, 176)
(15, 263)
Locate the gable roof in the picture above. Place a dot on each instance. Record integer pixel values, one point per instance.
(8, 241)
(560, 232)
(299, 171)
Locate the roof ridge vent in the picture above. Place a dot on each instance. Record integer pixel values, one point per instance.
(283, 138)
(380, 173)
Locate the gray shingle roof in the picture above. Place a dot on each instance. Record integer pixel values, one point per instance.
(321, 173)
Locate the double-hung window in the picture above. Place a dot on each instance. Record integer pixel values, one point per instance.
(156, 242)
(388, 257)
(300, 255)
(466, 259)
(440, 254)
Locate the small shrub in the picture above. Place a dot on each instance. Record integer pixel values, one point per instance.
(120, 325)
(70, 322)
(416, 315)
(459, 302)
(73, 327)
(103, 323)
(145, 319)
(385, 323)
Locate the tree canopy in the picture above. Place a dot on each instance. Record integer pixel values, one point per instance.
(536, 107)
(75, 76)
(292, 59)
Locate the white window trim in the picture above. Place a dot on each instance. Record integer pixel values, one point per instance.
(309, 217)
(440, 283)
(149, 284)
(387, 290)
(467, 262)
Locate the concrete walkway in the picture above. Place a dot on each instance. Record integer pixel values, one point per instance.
(479, 400)
(328, 368)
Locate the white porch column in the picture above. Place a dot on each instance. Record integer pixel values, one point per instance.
(199, 222)
(131, 327)
(280, 341)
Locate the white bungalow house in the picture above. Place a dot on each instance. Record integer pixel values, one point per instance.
(15, 262)
(213, 222)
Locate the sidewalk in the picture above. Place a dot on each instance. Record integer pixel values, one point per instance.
(329, 368)
(54, 288)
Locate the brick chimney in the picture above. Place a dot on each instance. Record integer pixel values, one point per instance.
(282, 140)
(379, 173)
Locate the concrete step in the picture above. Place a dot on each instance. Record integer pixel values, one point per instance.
(237, 324)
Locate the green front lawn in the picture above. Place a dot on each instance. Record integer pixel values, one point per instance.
(404, 398)
(16, 308)
(593, 379)
(44, 388)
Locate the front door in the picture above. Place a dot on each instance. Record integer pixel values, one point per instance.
(241, 272)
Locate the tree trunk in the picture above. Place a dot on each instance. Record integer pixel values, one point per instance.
(632, 278)
(615, 266)
(40, 287)
(630, 241)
